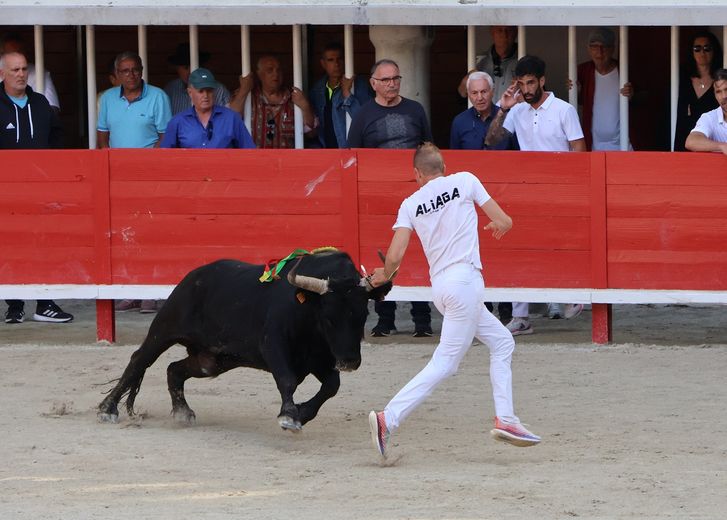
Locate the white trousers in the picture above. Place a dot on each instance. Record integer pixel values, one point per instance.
(458, 294)
(520, 309)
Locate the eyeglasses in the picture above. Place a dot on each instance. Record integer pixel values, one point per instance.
(271, 129)
(128, 72)
(388, 81)
(700, 48)
(497, 71)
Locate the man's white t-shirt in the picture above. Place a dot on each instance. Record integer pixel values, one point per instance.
(712, 125)
(547, 129)
(606, 127)
(443, 213)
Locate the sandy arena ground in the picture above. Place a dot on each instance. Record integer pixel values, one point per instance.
(636, 429)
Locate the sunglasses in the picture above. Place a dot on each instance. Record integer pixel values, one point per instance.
(270, 135)
(700, 48)
(209, 130)
(497, 71)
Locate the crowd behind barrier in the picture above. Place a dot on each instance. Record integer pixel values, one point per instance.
(137, 115)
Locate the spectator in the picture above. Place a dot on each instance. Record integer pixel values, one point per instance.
(392, 121)
(132, 115)
(332, 98)
(177, 88)
(206, 124)
(468, 133)
(272, 106)
(499, 62)
(543, 123)
(710, 132)
(598, 90)
(28, 122)
(12, 42)
(696, 95)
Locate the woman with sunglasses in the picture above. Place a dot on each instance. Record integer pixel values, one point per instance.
(696, 95)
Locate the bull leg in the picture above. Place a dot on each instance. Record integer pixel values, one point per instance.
(130, 380)
(288, 418)
(201, 365)
(330, 382)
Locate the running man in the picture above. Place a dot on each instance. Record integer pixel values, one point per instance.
(443, 214)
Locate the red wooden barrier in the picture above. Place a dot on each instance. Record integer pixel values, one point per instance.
(585, 222)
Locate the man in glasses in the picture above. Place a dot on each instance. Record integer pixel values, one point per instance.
(710, 133)
(598, 92)
(206, 124)
(334, 95)
(499, 61)
(28, 122)
(273, 105)
(132, 115)
(392, 121)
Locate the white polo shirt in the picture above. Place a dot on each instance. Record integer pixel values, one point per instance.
(712, 125)
(547, 129)
(443, 213)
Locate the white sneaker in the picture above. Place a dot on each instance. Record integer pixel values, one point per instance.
(573, 310)
(520, 326)
(555, 311)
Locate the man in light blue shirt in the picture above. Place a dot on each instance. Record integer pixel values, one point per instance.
(206, 125)
(134, 114)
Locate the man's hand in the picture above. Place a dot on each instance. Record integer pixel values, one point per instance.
(627, 91)
(346, 85)
(498, 230)
(299, 98)
(378, 278)
(510, 97)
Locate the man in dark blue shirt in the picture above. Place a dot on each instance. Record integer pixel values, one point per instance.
(468, 132)
(470, 127)
(206, 125)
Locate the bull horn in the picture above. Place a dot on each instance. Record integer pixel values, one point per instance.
(308, 283)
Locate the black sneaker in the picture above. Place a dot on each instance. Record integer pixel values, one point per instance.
(382, 331)
(424, 332)
(52, 313)
(14, 316)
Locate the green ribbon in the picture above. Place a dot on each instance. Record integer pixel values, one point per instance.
(271, 273)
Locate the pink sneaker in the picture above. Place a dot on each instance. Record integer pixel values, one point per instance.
(379, 432)
(513, 433)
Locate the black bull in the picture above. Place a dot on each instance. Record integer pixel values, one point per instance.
(310, 321)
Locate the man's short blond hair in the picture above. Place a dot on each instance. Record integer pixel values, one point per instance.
(428, 159)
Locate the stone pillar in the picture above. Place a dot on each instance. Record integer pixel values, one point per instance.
(408, 46)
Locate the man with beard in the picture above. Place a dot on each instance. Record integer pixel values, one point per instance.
(543, 123)
(710, 133)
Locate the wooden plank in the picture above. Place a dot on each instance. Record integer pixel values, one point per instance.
(666, 235)
(226, 197)
(46, 198)
(57, 265)
(47, 231)
(664, 168)
(639, 201)
(274, 166)
(220, 230)
(44, 166)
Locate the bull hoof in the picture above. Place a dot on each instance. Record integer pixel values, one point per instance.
(290, 424)
(105, 417)
(186, 417)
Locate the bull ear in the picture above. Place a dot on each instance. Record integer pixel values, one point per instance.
(379, 293)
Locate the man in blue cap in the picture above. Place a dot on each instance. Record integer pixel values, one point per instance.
(205, 124)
